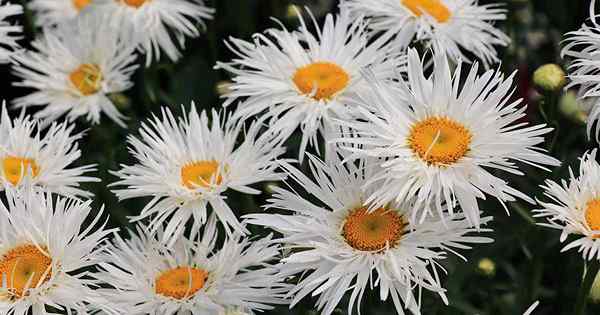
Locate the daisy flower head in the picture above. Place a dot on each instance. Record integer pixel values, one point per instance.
(30, 156)
(297, 78)
(158, 26)
(74, 68)
(45, 247)
(450, 26)
(192, 276)
(187, 164)
(574, 207)
(9, 34)
(582, 46)
(54, 12)
(341, 244)
(441, 142)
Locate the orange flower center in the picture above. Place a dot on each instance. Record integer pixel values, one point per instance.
(24, 267)
(81, 4)
(201, 174)
(321, 80)
(592, 215)
(439, 140)
(135, 3)
(373, 231)
(434, 8)
(87, 78)
(14, 168)
(180, 283)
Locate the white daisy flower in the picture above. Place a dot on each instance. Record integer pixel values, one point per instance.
(339, 245)
(158, 25)
(582, 45)
(9, 34)
(29, 156)
(574, 207)
(54, 12)
(442, 142)
(186, 165)
(192, 277)
(74, 68)
(45, 248)
(450, 26)
(301, 79)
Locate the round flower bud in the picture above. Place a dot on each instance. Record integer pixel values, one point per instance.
(549, 77)
(486, 267)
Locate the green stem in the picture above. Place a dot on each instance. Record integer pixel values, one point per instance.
(584, 291)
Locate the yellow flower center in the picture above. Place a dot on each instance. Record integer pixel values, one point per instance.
(24, 267)
(435, 8)
(87, 78)
(14, 168)
(321, 80)
(180, 283)
(80, 4)
(201, 173)
(592, 215)
(135, 3)
(373, 231)
(439, 140)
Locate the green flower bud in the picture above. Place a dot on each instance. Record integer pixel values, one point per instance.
(549, 77)
(571, 108)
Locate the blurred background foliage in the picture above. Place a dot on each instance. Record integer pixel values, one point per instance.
(524, 263)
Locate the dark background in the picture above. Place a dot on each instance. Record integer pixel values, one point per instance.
(527, 261)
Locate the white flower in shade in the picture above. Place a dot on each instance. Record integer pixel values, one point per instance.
(30, 156)
(574, 207)
(441, 142)
(54, 12)
(450, 26)
(340, 244)
(191, 277)
(74, 68)
(582, 45)
(46, 246)
(186, 165)
(301, 79)
(9, 34)
(158, 25)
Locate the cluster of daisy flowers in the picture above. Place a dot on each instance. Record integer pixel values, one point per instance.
(401, 146)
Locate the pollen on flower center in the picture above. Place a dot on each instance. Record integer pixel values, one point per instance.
(14, 168)
(87, 78)
(24, 267)
(80, 4)
(592, 215)
(321, 80)
(201, 173)
(439, 140)
(180, 283)
(435, 8)
(135, 3)
(373, 231)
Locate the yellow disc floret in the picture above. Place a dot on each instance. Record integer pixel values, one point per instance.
(321, 80)
(14, 168)
(135, 3)
(24, 267)
(201, 174)
(373, 231)
(87, 78)
(439, 140)
(592, 215)
(181, 282)
(80, 4)
(434, 8)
